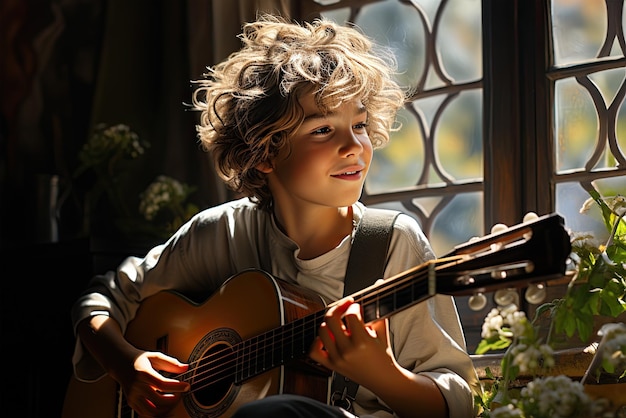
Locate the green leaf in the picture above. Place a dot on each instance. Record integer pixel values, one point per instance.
(606, 211)
(613, 307)
(584, 325)
(569, 325)
(547, 308)
(491, 345)
(617, 252)
(607, 365)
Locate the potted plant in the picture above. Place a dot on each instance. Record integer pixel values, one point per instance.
(597, 288)
(114, 205)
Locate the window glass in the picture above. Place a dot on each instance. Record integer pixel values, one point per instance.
(576, 125)
(570, 197)
(459, 137)
(578, 29)
(460, 40)
(401, 161)
(456, 226)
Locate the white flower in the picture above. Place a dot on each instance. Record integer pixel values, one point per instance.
(617, 204)
(532, 358)
(505, 321)
(556, 397)
(517, 321)
(613, 351)
(492, 325)
(506, 411)
(110, 144)
(160, 194)
(547, 354)
(526, 358)
(588, 204)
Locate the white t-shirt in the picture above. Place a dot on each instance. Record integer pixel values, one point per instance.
(227, 239)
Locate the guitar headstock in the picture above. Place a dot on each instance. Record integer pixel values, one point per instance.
(530, 252)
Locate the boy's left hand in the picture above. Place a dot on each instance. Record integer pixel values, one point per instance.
(346, 345)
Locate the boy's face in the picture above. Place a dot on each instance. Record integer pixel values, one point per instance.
(327, 160)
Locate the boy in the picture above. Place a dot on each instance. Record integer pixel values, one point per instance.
(291, 120)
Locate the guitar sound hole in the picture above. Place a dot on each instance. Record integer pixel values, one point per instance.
(214, 375)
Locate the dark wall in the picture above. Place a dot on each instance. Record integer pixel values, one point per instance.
(50, 53)
(51, 56)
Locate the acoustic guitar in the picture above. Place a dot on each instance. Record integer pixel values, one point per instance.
(251, 338)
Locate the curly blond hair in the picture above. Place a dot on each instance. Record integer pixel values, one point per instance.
(249, 102)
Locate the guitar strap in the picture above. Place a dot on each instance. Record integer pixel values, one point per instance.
(366, 264)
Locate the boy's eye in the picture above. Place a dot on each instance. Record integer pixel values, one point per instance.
(321, 131)
(326, 130)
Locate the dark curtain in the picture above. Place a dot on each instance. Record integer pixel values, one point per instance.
(68, 65)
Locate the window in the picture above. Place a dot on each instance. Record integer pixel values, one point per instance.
(433, 167)
(589, 117)
(517, 107)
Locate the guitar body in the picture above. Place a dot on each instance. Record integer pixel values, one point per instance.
(248, 304)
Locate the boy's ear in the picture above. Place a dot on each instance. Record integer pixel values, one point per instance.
(265, 167)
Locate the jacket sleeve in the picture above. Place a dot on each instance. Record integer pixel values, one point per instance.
(192, 261)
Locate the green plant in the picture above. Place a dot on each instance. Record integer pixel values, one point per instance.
(164, 201)
(106, 161)
(526, 354)
(609, 363)
(597, 288)
(508, 328)
(106, 156)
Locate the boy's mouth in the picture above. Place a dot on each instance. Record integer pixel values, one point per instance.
(349, 174)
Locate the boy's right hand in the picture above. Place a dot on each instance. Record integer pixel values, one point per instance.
(148, 392)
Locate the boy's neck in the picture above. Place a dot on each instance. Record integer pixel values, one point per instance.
(316, 232)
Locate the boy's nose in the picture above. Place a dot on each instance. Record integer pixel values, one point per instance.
(351, 144)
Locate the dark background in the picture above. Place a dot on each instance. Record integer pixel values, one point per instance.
(64, 67)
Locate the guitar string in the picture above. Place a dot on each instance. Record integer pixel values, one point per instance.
(222, 364)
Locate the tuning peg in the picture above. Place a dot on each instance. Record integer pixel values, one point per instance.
(494, 230)
(535, 293)
(530, 216)
(505, 297)
(498, 228)
(477, 301)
